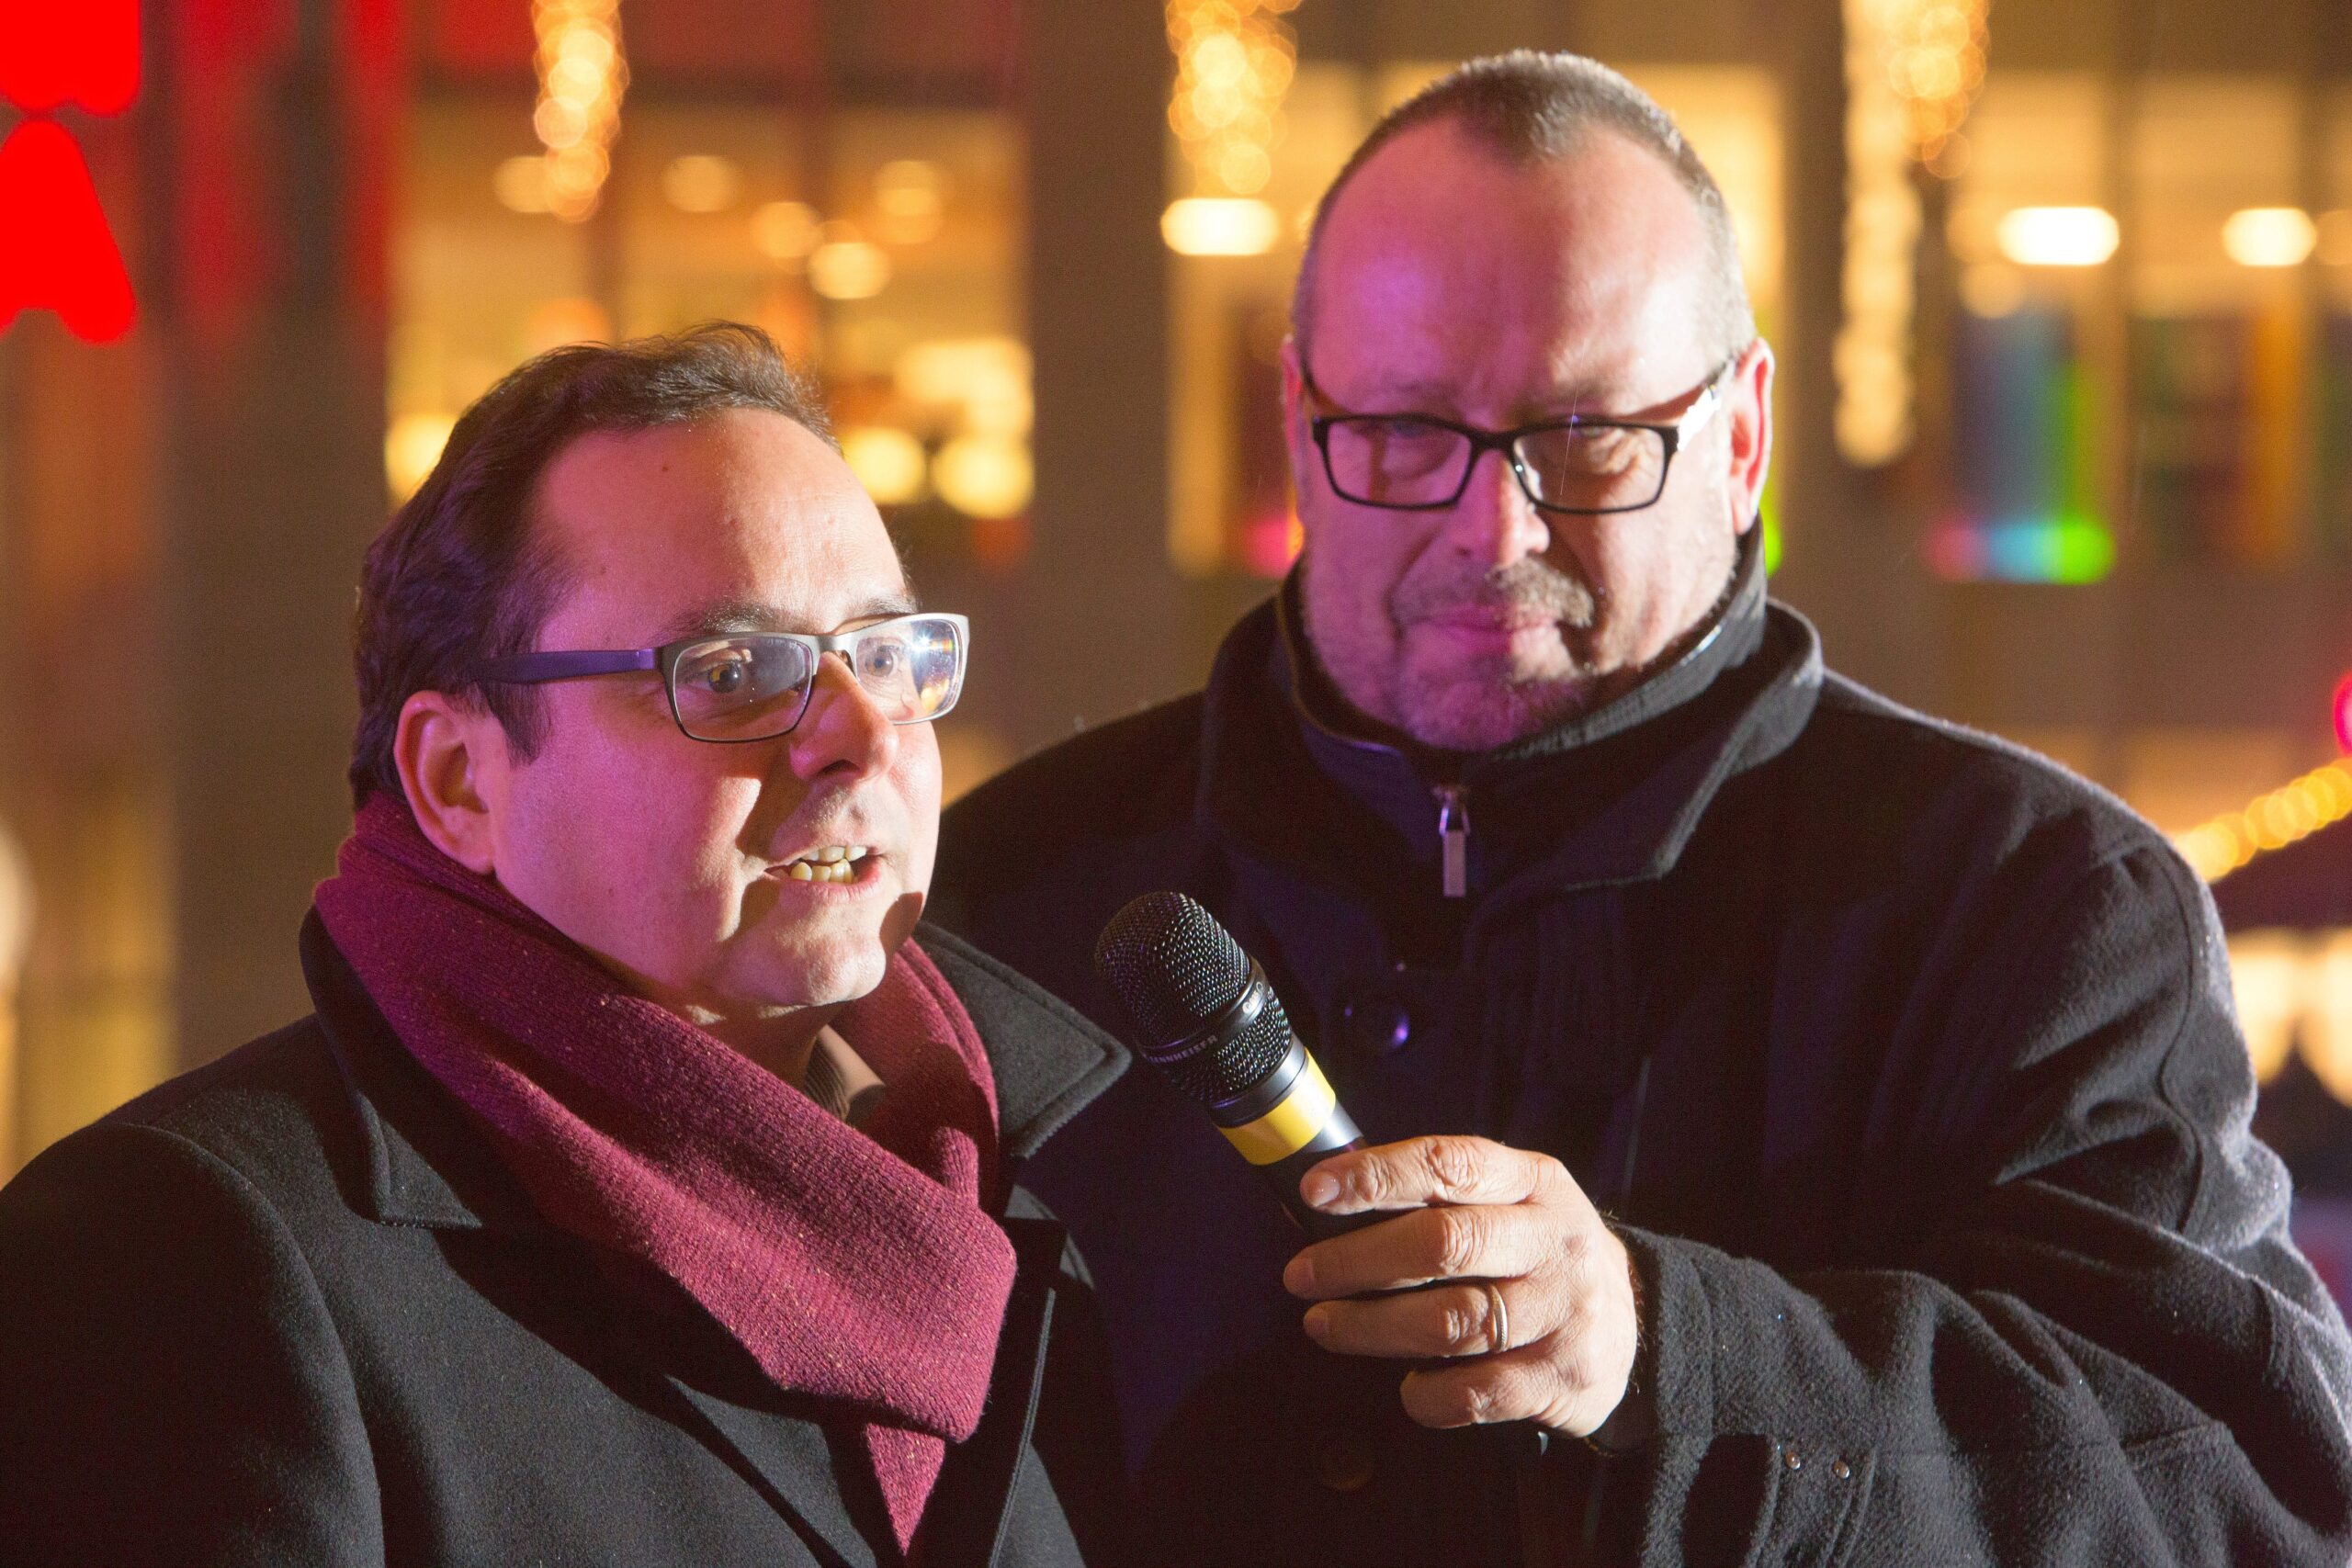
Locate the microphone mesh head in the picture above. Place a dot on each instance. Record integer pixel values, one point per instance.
(1176, 969)
(1171, 964)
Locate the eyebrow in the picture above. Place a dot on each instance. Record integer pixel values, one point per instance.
(1560, 402)
(722, 616)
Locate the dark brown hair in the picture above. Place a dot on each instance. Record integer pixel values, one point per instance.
(1527, 106)
(460, 575)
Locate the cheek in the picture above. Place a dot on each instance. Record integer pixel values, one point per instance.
(915, 780)
(1349, 575)
(1602, 559)
(650, 846)
(1649, 581)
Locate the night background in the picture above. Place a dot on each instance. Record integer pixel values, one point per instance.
(2061, 290)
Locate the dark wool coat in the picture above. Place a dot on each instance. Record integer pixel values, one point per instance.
(290, 1309)
(1904, 1061)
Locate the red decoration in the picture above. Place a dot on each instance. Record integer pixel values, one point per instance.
(2342, 707)
(59, 254)
(54, 53)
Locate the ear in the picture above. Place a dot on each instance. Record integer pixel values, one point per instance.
(445, 754)
(1296, 438)
(1749, 396)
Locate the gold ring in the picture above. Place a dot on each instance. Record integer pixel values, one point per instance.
(1497, 1319)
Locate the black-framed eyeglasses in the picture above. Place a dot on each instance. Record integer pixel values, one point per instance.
(742, 686)
(1417, 462)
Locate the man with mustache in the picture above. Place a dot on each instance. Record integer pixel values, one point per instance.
(1804, 1130)
(640, 1191)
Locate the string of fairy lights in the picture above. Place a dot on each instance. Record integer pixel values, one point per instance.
(1235, 60)
(1913, 70)
(581, 77)
(2270, 821)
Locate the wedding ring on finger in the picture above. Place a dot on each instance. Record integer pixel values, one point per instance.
(1497, 1319)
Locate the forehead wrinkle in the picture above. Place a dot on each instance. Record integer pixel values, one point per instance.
(1516, 291)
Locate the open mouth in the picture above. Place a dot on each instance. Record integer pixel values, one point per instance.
(826, 863)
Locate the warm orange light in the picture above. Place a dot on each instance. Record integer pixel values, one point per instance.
(2270, 236)
(849, 269)
(1235, 60)
(785, 232)
(412, 446)
(2271, 978)
(2059, 236)
(1220, 226)
(2294, 991)
(912, 194)
(887, 461)
(702, 182)
(2270, 821)
(984, 475)
(582, 78)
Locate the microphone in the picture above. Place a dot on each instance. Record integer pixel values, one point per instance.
(1205, 1016)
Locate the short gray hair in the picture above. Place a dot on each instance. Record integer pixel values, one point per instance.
(1527, 107)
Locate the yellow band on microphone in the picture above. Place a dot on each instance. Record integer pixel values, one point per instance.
(1290, 1126)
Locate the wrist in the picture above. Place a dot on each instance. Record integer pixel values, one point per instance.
(1635, 1420)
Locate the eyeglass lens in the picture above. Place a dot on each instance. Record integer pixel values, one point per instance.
(754, 685)
(1410, 462)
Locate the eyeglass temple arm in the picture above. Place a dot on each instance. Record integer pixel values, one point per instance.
(524, 669)
(1694, 418)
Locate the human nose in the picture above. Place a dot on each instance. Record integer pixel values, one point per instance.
(842, 729)
(1495, 523)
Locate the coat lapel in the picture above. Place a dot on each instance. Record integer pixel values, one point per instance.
(971, 1510)
(792, 1462)
(967, 1520)
(1047, 1059)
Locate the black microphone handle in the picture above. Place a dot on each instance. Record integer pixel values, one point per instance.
(1285, 1125)
(1339, 1135)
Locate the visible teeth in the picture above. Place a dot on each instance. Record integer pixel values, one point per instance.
(831, 863)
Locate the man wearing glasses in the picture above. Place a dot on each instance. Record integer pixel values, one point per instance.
(640, 1191)
(1802, 1131)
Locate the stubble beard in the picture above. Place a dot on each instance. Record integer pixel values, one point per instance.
(1491, 702)
(1491, 699)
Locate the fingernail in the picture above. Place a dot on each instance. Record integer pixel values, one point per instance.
(1295, 1277)
(1319, 1189)
(1318, 1324)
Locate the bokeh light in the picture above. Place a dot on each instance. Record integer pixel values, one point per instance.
(2270, 236)
(2059, 236)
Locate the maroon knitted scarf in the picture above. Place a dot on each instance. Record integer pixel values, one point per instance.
(854, 1265)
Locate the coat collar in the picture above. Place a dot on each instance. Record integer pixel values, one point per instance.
(427, 1166)
(1736, 715)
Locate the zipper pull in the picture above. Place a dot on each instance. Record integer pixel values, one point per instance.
(1453, 834)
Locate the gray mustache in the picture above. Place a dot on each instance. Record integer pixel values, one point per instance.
(1528, 586)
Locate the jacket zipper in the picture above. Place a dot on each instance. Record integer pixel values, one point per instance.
(1453, 837)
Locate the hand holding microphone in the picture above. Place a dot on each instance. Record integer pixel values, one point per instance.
(1525, 1300)
(1488, 1261)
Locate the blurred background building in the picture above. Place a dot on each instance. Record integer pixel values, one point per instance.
(2061, 291)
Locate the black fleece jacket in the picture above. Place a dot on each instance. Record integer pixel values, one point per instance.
(1904, 1061)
